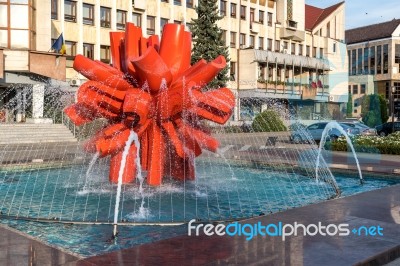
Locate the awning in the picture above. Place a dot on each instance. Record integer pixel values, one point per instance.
(290, 59)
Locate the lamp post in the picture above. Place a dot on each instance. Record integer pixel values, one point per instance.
(393, 90)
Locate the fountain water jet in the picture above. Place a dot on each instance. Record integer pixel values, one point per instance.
(329, 127)
(121, 172)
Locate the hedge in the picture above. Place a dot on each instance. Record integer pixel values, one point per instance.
(370, 144)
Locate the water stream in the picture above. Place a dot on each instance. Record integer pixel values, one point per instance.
(329, 127)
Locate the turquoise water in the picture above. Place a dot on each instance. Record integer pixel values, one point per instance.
(222, 193)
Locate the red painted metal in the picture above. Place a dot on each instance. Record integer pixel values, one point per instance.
(152, 89)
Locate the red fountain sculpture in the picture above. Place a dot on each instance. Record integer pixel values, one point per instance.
(151, 88)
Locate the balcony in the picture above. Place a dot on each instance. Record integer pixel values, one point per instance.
(139, 4)
(45, 64)
(48, 65)
(292, 34)
(255, 27)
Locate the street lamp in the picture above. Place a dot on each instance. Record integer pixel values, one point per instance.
(393, 90)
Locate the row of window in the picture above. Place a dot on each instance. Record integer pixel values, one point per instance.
(369, 60)
(88, 14)
(280, 46)
(189, 3)
(243, 9)
(273, 73)
(88, 51)
(357, 89)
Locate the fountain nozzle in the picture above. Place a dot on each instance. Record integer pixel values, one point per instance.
(115, 231)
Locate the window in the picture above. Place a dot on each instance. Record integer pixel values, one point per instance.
(88, 50)
(372, 60)
(121, 19)
(321, 52)
(105, 17)
(285, 45)
(277, 46)
(233, 40)
(359, 60)
(353, 62)
(223, 36)
(70, 49)
(54, 9)
(363, 86)
(105, 53)
(397, 54)
(385, 59)
(189, 3)
(14, 25)
(163, 21)
(252, 10)
(88, 14)
(165, 1)
(70, 11)
(307, 50)
(233, 10)
(300, 49)
(252, 40)
(242, 40)
(292, 24)
(261, 16)
(232, 70)
(243, 12)
(328, 30)
(314, 52)
(366, 55)
(137, 19)
(269, 19)
(151, 25)
(261, 43)
(349, 89)
(293, 48)
(355, 89)
(222, 8)
(379, 59)
(269, 47)
(177, 2)
(177, 22)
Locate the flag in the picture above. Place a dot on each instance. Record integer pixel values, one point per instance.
(59, 45)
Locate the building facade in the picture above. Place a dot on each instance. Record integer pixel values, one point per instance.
(282, 50)
(374, 61)
(26, 66)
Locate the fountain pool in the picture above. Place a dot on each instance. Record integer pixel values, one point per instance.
(216, 195)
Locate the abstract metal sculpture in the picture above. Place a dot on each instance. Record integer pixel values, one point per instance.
(151, 88)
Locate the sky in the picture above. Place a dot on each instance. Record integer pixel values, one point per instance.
(363, 12)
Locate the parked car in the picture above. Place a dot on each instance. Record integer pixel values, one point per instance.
(364, 129)
(387, 128)
(315, 131)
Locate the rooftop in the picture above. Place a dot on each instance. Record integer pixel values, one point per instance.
(315, 15)
(372, 32)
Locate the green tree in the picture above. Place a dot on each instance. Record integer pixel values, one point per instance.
(349, 109)
(384, 108)
(207, 39)
(268, 121)
(371, 110)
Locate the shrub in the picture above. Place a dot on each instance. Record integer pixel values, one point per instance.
(268, 121)
(371, 144)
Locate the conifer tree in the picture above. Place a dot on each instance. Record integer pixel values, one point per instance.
(207, 39)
